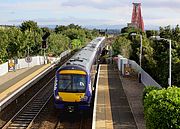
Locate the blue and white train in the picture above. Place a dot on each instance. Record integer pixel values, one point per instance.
(75, 79)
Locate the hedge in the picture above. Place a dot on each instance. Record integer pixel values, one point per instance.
(149, 89)
(162, 108)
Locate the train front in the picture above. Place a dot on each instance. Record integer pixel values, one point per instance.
(71, 90)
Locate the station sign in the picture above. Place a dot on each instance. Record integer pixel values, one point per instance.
(28, 59)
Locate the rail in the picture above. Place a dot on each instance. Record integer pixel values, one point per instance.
(4, 103)
(25, 116)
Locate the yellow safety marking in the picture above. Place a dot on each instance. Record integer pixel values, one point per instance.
(71, 97)
(103, 96)
(16, 86)
(72, 72)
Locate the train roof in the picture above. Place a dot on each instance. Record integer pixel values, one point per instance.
(84, 58)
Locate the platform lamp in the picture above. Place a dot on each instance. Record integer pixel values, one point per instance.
(170, 56)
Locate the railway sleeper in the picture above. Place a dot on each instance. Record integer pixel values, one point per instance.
(38, 104)
(27, 115)
(20, 119)
(35, 109)
(16, 128)
(18, 125)
(22, 116)
(30, 112)
(18, 122)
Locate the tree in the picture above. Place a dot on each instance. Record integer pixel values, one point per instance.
(15, 41)
(58, 43)
(155, 54)
(130, 30)
(60, 29)
(72, 26)
(161, 56)
(76, 43)
(29, 25)
(3, 45)
(150, 33)
(122, 46)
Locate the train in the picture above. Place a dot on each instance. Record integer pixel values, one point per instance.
(74, 80)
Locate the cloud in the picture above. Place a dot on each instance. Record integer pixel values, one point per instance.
(42, 20)
(99, 4)
(171, 4)
(163, 21)
(86, 21)
(161, 4)
(92, 12)
(67, 21)
(31, 6)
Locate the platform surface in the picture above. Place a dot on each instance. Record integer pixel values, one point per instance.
(12, 81)
(114, 109)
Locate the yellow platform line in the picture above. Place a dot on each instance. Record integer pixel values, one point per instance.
(17, 85)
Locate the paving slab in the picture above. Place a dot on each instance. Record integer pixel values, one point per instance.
(15, 80)
(113, 110)
(134, 93)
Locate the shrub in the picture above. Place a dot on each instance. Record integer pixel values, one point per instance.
(162, 108)
(147, 89)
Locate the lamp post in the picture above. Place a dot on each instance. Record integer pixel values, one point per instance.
(140, 54)
(170, 56)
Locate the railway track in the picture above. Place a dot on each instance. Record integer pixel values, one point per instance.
(26, 115)
(76, 120)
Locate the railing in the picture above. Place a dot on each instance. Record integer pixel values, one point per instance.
(146, 79)
(36, 60)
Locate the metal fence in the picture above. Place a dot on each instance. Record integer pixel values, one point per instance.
(36, 60)
(146, 79)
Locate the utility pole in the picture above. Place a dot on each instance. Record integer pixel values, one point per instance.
(28, 56)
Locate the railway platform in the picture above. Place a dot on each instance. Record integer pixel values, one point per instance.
(12, 81)
(118, 101)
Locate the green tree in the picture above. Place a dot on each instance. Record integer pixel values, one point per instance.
(3, 46)
(58, 43)
(60, 29)
(15, 41)
(29, 25)
(150, 33)
(76, 43)
(122, 46)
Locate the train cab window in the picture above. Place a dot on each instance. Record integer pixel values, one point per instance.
(65, 82)
(72, 83)
(79, 82)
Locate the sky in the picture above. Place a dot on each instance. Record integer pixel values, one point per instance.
(88, 12)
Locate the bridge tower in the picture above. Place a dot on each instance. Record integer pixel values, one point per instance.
(137, 20)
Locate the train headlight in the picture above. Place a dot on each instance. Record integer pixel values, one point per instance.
(57, 97)
(85, 98)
